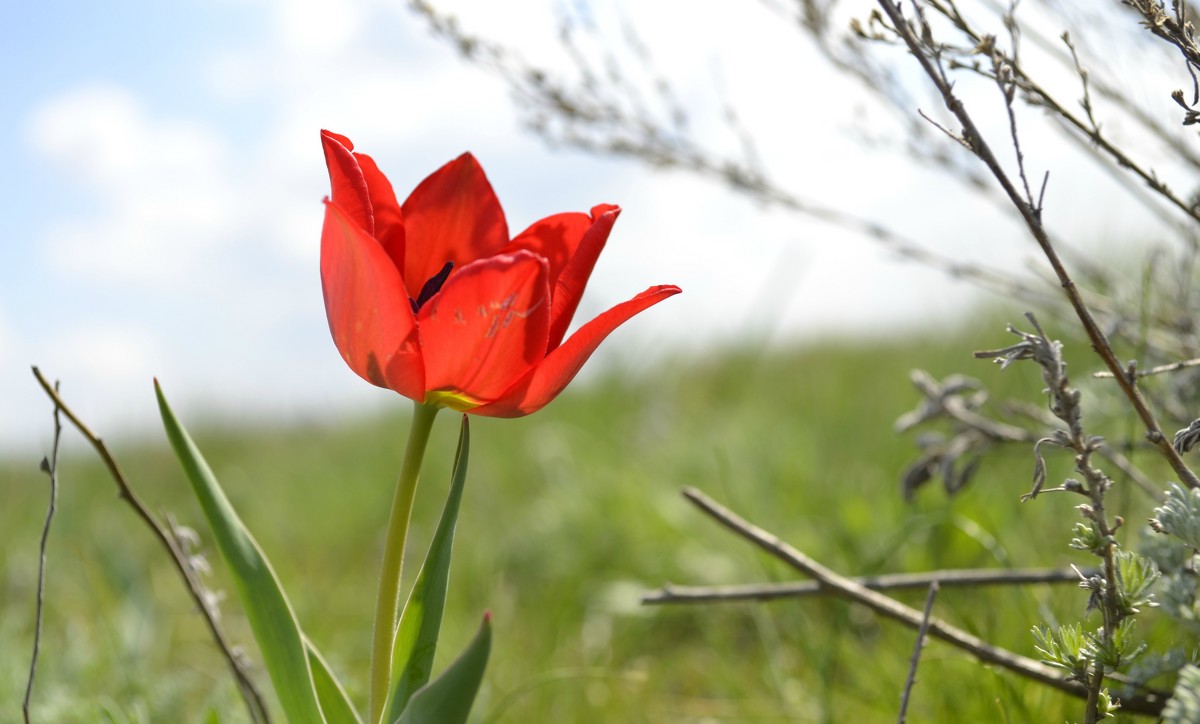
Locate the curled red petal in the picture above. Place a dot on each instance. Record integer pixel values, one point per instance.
(349, 186)
(555, 238)
(543, 383)
(367, 306)
(453, 215)
(389, 222)
(486, 327)
(569, 286)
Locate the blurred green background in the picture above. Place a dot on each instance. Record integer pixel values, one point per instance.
(570, 515)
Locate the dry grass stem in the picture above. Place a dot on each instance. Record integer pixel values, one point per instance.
(50, 467)
(916, 655)
(255, 705)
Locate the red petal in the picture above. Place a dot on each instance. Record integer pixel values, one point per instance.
(543, 383)
(368, 309)
(346, 178)
(574, 277)
(389, 225)
(555, 238)
(451, 216)
(339, 138)
(487, 326)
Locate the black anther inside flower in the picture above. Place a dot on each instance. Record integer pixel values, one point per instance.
(431, 287)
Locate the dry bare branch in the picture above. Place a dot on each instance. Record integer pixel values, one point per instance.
(1147, 701)
(968, 578)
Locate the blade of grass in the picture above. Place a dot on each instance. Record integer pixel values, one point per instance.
(417, 633)
(270, 614)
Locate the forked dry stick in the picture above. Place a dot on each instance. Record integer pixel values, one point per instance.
(1159, 370)
(254, 701)
(1146, 701)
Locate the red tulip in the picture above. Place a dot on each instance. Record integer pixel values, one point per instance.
(431, 298)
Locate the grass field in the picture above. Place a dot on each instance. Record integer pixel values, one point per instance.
(569, 516)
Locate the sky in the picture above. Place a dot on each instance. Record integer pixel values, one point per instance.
(163, 182)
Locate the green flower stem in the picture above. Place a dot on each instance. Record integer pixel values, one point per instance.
(387, 606)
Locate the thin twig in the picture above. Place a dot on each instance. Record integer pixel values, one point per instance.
(1039, 96)
(1159, 370)
(916, 657)
(961, 578)
(1032, 218)
(1116, 96)
(1148, 701)
(254, 701)
(50, 467)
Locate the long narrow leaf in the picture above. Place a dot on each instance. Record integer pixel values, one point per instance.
(417, 633)
(335, 702)
(267, 608)
(448, 698)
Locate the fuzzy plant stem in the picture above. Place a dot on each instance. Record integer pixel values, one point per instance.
(387, 606)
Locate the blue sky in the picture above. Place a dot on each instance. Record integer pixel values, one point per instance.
(163, 181)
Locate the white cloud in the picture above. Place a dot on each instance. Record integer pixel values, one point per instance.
(106, 357)
(313, 26)
(105, 373)
(102, 132)
(162, 186)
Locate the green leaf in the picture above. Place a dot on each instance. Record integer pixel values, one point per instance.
(1136, 576)
(417, 634)
(448, 698)
(267, 608)
(1065, 648)
(335, 703)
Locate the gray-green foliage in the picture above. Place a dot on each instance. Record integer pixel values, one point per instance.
(1087, 537)
(1137, 576)
(1179, 515)
(1076, 650)
(1184, 705)
(1178, 598)
(1065, 647)
(1174, 554)
(1116, 651)
(1121, 587)
(1105, 706)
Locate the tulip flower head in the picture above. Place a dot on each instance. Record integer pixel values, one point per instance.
(432, 299)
